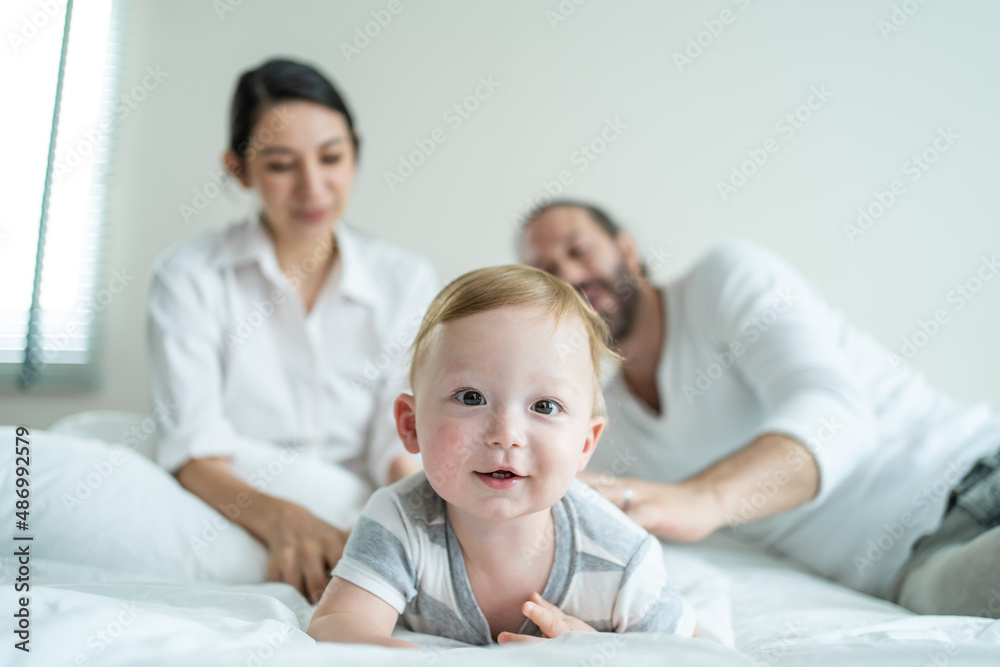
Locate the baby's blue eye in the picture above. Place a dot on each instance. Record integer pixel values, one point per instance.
(470, 397)
(546, 407)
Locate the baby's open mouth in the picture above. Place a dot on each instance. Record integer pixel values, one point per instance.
(500, 479)
(500, 474)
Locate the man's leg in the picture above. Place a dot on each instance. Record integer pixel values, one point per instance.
(960, 579)
(956, 569)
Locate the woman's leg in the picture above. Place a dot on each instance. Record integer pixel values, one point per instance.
(330, 491)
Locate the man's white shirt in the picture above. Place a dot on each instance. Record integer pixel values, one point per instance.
(752, 348)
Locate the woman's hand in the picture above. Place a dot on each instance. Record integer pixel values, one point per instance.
(302, 549)
(685, 512)
(550, 619)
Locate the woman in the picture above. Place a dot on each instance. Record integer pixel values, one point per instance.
(276, 343)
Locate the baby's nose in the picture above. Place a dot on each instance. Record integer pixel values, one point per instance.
(504, 429)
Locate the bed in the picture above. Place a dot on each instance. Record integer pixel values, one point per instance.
(127, 568)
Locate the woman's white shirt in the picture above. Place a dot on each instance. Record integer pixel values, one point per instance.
(236, 361)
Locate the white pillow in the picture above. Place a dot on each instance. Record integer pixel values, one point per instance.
(115, 427)
(329, 491)
(106, 506)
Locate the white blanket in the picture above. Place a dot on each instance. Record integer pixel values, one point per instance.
(138, 572)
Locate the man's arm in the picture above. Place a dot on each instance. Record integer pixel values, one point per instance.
(401, 467)
(348, 614)
(772, 474)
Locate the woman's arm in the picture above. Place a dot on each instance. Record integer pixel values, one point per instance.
(349, 614)
(302, 549)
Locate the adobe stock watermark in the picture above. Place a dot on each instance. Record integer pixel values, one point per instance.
(625, 287)
(218, 180)
(960, 296)
(102, 638)
(278, 119)
(582, 157)
(951, 649)
(543, 543)
(263, 309)
(271, 644)
(622, 462)
(562, 12)
(260, 479)
(703, 40)
(892, 532)
(392, 352)
(102, 470)
(417, 499)
(33, 23)
(751, 506)
(773, 652)
(73, 156)
(899, 16)
(787, 125)
(89, 309)
(203, 196)
(225, 7)
(971, 631)
(456, 115)
(914, 167)
(605, 652)
(363, 35)
(751, 331)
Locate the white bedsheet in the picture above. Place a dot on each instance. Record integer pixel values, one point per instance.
(780, 616)
(156, 604)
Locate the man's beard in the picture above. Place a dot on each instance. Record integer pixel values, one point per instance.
(624, 293)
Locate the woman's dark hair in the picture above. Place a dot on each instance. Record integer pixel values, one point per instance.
(276, 81)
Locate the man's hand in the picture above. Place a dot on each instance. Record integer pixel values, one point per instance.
(551, 620)
(695, 508)
(685, 512)
(302, 549)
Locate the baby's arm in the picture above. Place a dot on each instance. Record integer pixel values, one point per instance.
(349, 614)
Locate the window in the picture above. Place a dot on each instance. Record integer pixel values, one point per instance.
(58, 75)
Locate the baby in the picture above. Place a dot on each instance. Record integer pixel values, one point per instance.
(506, 409)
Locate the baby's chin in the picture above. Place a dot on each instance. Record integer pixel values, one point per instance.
(499, 510)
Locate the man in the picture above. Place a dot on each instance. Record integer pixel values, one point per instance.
(744, 400)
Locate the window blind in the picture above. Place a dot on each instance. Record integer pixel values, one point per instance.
(65, 67)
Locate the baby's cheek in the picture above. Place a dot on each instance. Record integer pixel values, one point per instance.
(447, 449)
(560, 470)
(448, 438)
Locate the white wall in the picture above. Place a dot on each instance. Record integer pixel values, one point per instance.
(684, 131)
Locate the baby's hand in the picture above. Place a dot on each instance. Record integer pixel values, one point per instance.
(549, 618)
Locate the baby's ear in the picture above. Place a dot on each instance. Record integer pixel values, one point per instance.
(594, 430)
(406, 422)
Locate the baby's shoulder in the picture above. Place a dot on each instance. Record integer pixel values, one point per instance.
(411, 500)
(603, 530)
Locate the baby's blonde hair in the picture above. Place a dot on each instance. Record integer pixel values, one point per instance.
(495, 287)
